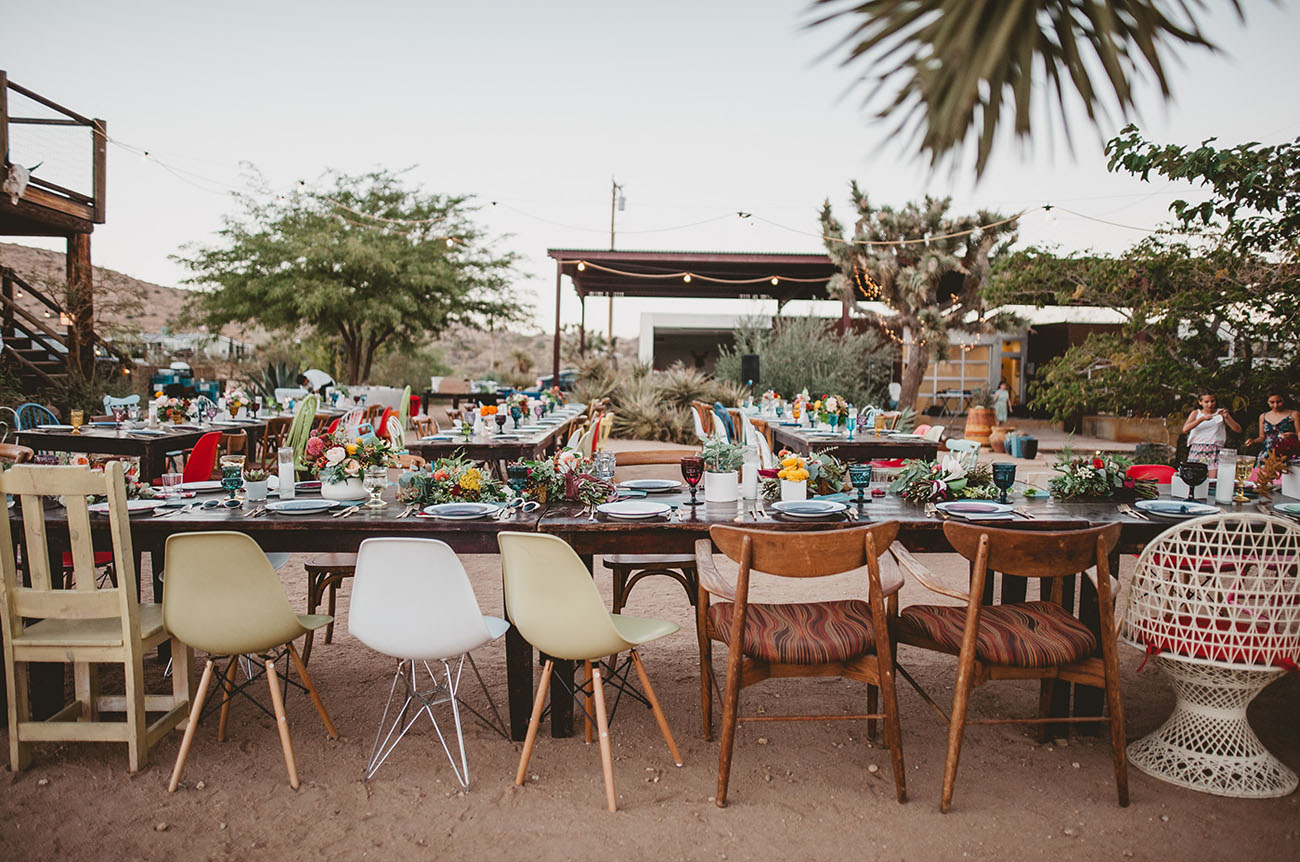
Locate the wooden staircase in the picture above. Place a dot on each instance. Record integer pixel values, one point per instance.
(33, 343)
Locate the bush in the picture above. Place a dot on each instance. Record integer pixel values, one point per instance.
(653, 405)
(799, 353)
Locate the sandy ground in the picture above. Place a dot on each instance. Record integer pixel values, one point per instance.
(817, 789)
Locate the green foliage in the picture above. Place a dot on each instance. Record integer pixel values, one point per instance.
(799, 353)
(361, 260)
(926, 266)
(652, 405)
(409, 367)
(1097, 477)
(276, 375)
(947, 70)
(722, 457)
(980, 397)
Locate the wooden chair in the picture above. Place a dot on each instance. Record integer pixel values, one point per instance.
(424, 426)
(324, 574)
(12, 453)
(849, 638)
(277, 431)
(407, 461)
(88, 626)
(1021, 640)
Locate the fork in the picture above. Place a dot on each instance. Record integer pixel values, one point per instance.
(1129, 510)
(930, 510)
(1022, 513)
(345, 512)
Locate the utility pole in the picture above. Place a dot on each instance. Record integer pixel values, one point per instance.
(617, 203)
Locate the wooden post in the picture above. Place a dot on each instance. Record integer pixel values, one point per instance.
(844, 314)
(4, 120)
(7, 320)
(555, 351)
(99, 155)
(81, 306)
(582, 325)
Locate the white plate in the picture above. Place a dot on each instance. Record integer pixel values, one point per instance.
(301, 507)
(976, 510)
(633, 509)
(147, 432)
(132, 506)
(461, 511)
(436, 437)
(226, 422)
(809, 508)
(1288, 508)
(652, 486)
(53, 427)
(201, 487)
(1178, 509)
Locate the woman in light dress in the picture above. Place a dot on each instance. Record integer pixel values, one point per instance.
(1002, 403)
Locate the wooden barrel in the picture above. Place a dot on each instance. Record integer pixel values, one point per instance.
(979, 424)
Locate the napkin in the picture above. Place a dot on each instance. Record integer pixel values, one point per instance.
(627, 493)
(841, 497)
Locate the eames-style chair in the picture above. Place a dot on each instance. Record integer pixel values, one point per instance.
(1024, 639)
(412, 600)
(555, 605)
(89, 626)
(844, 637)
(223, 597)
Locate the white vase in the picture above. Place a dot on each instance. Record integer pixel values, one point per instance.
(256, 491)
(721, 487)
(349, 490)
(794, 491)
(1291, 481)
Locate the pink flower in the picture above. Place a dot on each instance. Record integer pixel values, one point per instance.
(315, 447)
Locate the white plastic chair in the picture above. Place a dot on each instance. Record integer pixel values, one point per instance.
(934, 433)
(766, 460)
(412, 600)
(350, 421)
(395, 432)
(968, 451)
(700, 434)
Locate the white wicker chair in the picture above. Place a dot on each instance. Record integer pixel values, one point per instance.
(1216, 602)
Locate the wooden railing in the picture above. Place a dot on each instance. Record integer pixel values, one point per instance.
(63, 201)
(17, 322)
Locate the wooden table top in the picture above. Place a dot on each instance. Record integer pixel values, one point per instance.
(865, 445)
(528, 442)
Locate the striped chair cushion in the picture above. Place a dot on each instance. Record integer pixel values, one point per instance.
(1027, 634)
(804, 633)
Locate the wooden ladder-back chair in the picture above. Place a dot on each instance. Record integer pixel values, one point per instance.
(87, 626)
(277, 431)
(849, 638)
(1021, 640)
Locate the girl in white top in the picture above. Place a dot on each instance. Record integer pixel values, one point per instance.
(1206, 430)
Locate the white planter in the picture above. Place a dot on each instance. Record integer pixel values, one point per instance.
(794, 491)
(721, 487)
(256, 491)
(348, 491)
(1291, 481)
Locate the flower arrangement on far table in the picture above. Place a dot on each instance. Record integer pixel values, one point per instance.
(454, 479)
(554, 396)
(946, 479)
(337, 458)
(517, 399)
(237, 396)
(175, 410)
(1100, 477)
(831, 405)
(486, 410)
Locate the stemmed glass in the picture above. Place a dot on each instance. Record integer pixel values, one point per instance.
(119, 413)
(1004, 476)
(232, 473)
(860, 479)
(76, 418)
(516, 413)
(501, 422)
(693, 472)
(780, 409)
(852, 422)
(1193, 473)
(517, 478)
(256, 406)
(538, 410)
(832, 419)
(1244, 468)
(878, 423)
(375, 481)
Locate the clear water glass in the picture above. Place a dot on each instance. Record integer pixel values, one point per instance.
(606, 462)
(375, 481)
(171, 484)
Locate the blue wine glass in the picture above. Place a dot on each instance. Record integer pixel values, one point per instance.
(1004, 476)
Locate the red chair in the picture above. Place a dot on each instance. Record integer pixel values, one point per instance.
(382, 428)
(1160, 473)
(888, 462)
(334, 425)
(203, 458)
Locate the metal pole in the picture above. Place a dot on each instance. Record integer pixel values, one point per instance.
(555, 351)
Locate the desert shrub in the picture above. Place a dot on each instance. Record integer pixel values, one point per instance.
(653, 405)
(798, 353)
(409, 367)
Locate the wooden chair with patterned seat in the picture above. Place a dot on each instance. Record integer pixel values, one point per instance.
(1021, 640)
(848, 637)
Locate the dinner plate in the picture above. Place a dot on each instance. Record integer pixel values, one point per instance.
(134, 507)
(53, 427)
(201, 487)
(436, 437)
(1177, 509)
(300, 507)
(1288, 508)
(809, 508)
(461, 511)
(633, 509)
(147, 432)
(975, 509)
(102, 424)
(226, 422)
(652, 486)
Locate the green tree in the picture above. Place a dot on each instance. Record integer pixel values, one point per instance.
(952, 69)
(362, 260)
(927, 267)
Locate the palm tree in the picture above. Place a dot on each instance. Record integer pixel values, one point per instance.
(957, 64)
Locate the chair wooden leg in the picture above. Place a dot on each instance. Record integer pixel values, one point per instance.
(619, 589)
(329, 627)
(1115, 706)
(893, 731)
(311, 690)
(706, 670)
(86, 685)
(282, 723)
(872, 706)
(730, 704)
(530, 739)
(196, 709)
(602, 724)
(956, 726)
(137, 740)
(586, 690)
(1046, 689)
(227, 690)
(20, 709)
(656, 708)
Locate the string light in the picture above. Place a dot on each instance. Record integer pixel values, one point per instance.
(582, 266)
(775, 281)
(687, 278)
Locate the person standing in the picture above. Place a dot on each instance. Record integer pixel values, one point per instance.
(1002, 402)
(1275, 423)
(1207, 430)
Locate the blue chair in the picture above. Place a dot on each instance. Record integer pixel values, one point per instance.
(32, 414)
(129, 401)
(725, 418)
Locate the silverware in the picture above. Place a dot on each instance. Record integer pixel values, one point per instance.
(1129, 510)
(930, 510)
(1022, 513)
(762, 510)
(345, 512)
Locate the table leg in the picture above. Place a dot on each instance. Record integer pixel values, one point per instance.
(156, 565)
(561, 698)
(519, 682)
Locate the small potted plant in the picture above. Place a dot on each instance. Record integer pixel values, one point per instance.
(979, 416)
(256, 480)
(722, 460)
(794, 478)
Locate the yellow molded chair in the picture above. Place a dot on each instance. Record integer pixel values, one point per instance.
(552, 600)
(223, 597)
(88, 626)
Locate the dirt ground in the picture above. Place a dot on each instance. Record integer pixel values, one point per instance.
(812, 789)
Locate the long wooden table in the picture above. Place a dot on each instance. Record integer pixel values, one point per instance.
(529, 443)
(320, 533)
(864, 446)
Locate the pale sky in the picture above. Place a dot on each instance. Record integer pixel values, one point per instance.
(699, 109)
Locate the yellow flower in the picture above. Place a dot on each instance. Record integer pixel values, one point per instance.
(158, 394)
(470, 480)
(352, 448)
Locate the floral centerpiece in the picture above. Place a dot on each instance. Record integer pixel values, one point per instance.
(236, 396)
(567, 476)
(792, 478)
(1281, 462)
(1101, 477)
(946, 479)
(454, 479)
(174, 410)
(518, 399)
(831, 405)
(341, 461)
(554, 396)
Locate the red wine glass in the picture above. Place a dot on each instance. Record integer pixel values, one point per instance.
(692, 472)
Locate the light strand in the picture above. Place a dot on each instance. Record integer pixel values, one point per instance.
(688, 276)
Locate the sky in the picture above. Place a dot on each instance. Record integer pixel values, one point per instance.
(700, 110)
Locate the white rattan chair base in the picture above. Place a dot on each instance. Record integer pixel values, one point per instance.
(1206, 744)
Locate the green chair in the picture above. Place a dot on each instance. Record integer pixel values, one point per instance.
(300, 430)
(404, 412)
(224, 598)
(552, 600)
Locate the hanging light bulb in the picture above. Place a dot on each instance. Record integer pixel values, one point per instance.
(581, 266)
(450, 242)
(687, 278)
(775, 281)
